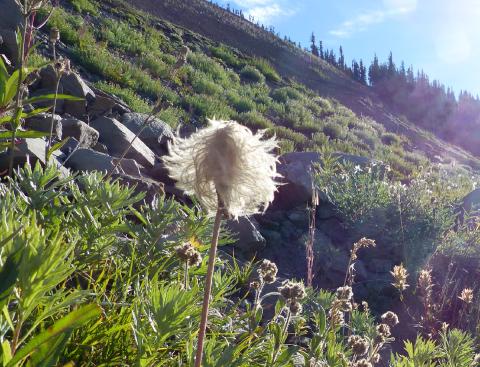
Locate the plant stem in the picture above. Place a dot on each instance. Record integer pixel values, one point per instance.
(208, 284)
(185, 276)
(57, 84)
(18, 100)
(145, 123)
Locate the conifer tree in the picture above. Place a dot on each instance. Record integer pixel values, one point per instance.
(321, 53)
(341, 59)
(313, 45)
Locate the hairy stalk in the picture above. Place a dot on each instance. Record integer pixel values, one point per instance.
(208, 284)
(311, 236)
(58, 75)
(185, 276)
(18, 98)
(283, 335)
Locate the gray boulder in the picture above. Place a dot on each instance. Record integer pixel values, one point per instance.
(42, 121)
(249, 240)
(86, 135)
(27, 150)
(155, 135)
(89, 160)
(73, 85)
(117, 138)
(10, 16)
(142, 184)
(295, 169)
(8, 44)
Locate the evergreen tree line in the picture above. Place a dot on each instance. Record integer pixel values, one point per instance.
(428, 104)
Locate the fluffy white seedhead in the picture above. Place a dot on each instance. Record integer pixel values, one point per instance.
(225, 158)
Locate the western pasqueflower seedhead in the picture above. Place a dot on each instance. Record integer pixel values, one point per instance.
(225, 161)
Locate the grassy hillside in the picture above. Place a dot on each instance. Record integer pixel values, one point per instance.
(306, 103)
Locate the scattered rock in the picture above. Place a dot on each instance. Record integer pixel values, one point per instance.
(142, 184)
(73, 85)
(89, 160)
(159, 173)
(9, 44)
(86, 135)
(10, 16)
(42, 121)
(155, 135)
(249, 240)
(31, 150)
(117, 138)
(295, 168)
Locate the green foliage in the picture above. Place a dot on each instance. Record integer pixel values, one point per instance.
(251, 74)
(266, 69)
(85, 6)
(133, 100)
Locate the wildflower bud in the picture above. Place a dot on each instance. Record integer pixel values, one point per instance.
(188, 254)
(255, 284)
(400, 275)
(344, 293)
(54, 36)
(362, 363)
(467, 296)
(376, 358)
(358, 345)
(336, 317)
(268, 271)
(390, 318)
(292, 291)
(365, 306)
(295, 307)
(476, 361)
(383, 330)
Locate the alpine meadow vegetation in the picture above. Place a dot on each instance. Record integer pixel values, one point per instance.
(94, 272)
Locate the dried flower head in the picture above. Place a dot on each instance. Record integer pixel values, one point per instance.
(467, 295)
(292, 290)
(362, 363)
(254, 284)
(344, 293)
(336, 317)
(358, 345)
(54, 35)
(390, 318)
(268, 271)
(376, 358)
(295, 307)
(383, 330)
(400, 275)
(188, 254)
(225, 162)
(362, 243)
(476, 361)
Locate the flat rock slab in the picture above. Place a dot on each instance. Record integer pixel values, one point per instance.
(142, 184)
(117, 138)
(156, 134)
(90, 160)
(26, 150)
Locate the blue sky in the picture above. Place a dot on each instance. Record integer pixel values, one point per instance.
(441, 37)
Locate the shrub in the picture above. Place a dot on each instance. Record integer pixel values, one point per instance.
(334, 131)
(208, 107)
(285, 93)
(240, 103)
(251, 74)
(223, 53)
(390, 139)
(266, 69)
(85, 6)
(254, 120)
(203, 85)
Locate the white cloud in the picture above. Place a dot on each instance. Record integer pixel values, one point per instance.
(392, 8)
(265, 11)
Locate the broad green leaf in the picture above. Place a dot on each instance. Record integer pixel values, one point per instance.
(48, 97)
(6, 352)
(24, 134)
(8, 276)
(56, 146)
(66, 324)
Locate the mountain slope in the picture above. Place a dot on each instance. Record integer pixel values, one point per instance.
(219, 25)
